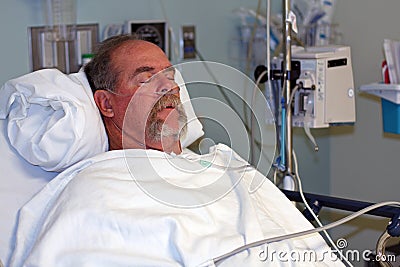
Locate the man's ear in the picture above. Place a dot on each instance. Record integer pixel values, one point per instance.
(102, 99)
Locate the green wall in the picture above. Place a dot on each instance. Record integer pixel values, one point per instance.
(364, 160)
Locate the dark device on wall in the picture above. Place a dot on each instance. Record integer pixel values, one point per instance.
(155, 31)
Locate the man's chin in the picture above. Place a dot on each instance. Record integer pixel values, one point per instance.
(166, 126)
(159, 130)
(168, 114)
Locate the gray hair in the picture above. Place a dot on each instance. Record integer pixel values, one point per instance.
(100, 72)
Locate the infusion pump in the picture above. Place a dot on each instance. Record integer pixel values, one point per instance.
(325, 95)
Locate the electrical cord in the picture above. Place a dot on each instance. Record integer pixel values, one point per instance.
(221, 258)
(306, 127)
(299, 185)
(292, 95)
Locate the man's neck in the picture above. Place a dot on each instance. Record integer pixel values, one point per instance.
(168, 146)
(114, 133)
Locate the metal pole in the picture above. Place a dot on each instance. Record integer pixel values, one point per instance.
(288, 67)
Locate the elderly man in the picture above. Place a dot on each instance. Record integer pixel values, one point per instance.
(135, 91)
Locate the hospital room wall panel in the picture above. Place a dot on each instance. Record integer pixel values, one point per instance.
(15, 16)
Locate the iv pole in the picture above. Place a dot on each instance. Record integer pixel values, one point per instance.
(288, 181)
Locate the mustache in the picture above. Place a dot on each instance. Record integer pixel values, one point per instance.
(166, 101)
(157, 127)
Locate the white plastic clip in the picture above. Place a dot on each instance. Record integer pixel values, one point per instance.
(291, 17)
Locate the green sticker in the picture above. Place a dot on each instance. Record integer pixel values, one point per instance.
(205, 163)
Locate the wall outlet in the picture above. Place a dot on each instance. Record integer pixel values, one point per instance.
(188, 42)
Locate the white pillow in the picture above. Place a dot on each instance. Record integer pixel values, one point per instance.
(194, 127)
(53, 121)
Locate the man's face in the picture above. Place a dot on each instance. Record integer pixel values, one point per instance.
(147, 115)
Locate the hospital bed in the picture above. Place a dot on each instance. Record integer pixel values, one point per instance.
(66, 201)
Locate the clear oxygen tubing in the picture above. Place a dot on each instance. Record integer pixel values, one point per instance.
(130, 136)
(282, 163)
(221, 258)
(328, 237)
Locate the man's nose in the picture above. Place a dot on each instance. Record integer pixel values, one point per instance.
(166, 85)
(166, 91)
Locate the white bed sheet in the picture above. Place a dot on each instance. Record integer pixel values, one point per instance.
(19, 181)
(96, 214)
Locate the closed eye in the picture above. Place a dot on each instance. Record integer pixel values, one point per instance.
(145, 78)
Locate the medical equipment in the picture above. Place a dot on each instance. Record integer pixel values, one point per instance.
(316, 91)
(155, 31)
(64, 55)
(325, 95)
(60, 19)
(323, 91)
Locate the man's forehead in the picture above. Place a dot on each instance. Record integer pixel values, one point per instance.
(140, 48)
(141, 54)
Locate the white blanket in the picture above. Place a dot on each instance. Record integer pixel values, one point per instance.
(147, 208)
